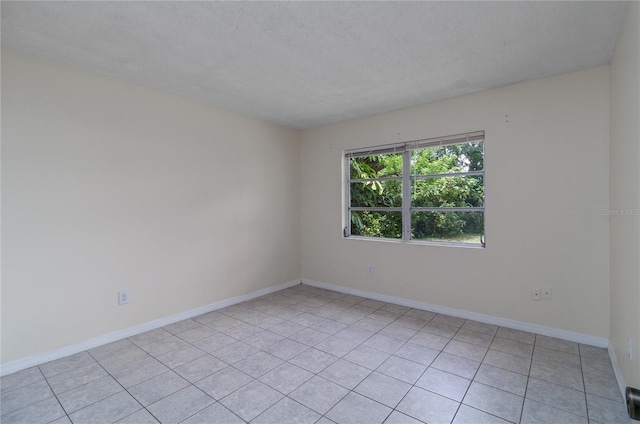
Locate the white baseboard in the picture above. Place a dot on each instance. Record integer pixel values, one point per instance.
(488, 319)
(20, 364)
(617, 371)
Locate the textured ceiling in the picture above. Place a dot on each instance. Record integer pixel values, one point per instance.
(303, 64)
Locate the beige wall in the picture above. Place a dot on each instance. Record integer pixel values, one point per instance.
(625, 195)
(108, 186)
(547, 182)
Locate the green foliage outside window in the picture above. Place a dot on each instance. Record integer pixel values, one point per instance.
(439, 190)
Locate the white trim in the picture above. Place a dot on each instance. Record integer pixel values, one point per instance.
(489, 319)
(406, 196)
(617, 371)
(20, 364)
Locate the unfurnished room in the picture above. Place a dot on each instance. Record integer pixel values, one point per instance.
(320, 212)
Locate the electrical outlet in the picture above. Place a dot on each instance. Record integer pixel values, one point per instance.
(123, 297)
(370, 270)
(536, 294)
(546, 293)
(630, 348)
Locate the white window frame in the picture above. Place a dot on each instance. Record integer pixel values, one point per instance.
(405, 148)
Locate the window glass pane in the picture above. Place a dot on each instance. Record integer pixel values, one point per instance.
(376, 166)
(377, 182)
(463, 157)
(460, 227)
(381, 194)
(376, 224)
(448, 191)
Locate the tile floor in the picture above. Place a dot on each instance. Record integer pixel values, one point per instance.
(309, 355)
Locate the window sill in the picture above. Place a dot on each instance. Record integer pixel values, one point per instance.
(417, 242)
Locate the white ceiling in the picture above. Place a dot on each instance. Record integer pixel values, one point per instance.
(303, 64)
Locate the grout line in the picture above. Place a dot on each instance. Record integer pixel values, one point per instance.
(54, 395)
(584, 386)
(526, 387)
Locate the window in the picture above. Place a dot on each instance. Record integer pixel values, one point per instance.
(429, 190)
